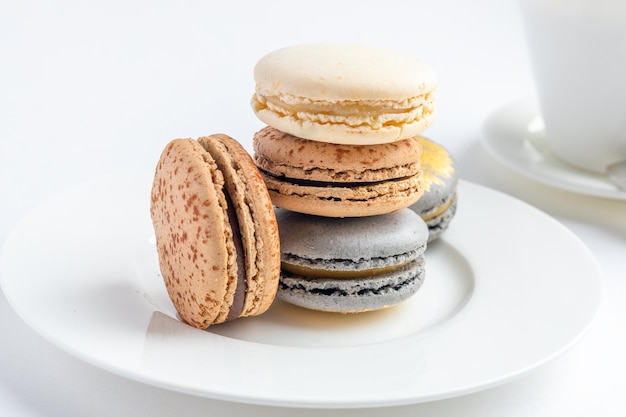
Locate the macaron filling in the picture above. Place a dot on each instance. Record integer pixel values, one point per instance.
(315, 173)
(236, 308)
(330, 287)
(437, 211)
(325, 184)
(327, 273)
(346, 268)
(375, 114)
(406, 187)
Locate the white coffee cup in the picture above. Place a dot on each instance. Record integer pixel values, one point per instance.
(577, 51)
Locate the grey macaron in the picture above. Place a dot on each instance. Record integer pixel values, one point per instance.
(351, 265)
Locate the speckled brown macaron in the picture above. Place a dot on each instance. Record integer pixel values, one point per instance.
(216, 232)
(336, 180)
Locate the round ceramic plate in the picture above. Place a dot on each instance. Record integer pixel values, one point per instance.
(507, 289)
(514, 134)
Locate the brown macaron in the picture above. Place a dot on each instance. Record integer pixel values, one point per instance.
(216, 231)
(336, 180)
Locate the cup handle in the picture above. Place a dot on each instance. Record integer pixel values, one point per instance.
(617, 173)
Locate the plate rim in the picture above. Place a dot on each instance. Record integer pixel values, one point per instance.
(363, 403)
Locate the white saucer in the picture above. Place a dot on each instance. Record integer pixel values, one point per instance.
(514, 135)
(498, 301)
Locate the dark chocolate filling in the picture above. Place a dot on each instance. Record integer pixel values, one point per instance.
(312, 183)
(236, 307)
(339, 292)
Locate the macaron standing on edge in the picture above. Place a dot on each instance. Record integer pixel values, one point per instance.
(216, 231)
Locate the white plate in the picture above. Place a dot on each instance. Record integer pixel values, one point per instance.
(514, 135)
(507, 289)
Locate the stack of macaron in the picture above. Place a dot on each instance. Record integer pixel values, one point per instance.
(342, 158)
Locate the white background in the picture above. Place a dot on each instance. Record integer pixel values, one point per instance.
(92, 88)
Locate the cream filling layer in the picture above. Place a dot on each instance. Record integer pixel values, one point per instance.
(308, 271)
(438, 211)
(375, 114)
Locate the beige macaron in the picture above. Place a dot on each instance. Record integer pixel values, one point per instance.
(216, 232)
(336, 180)
(345, 94)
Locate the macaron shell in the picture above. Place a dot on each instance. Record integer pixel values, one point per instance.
(335, 71)
(345, 201)
(192, 233)
(257, 221)
(351, 242)
(285, 155)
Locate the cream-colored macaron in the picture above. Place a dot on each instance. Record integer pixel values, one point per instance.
(344, 94)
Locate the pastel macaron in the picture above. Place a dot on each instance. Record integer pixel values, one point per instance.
(351, 265)
(216, 232)
(346, 94)
(438, 204)
(336, 180)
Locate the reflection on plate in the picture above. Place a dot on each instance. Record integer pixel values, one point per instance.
(498, 301)
(515, 136)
